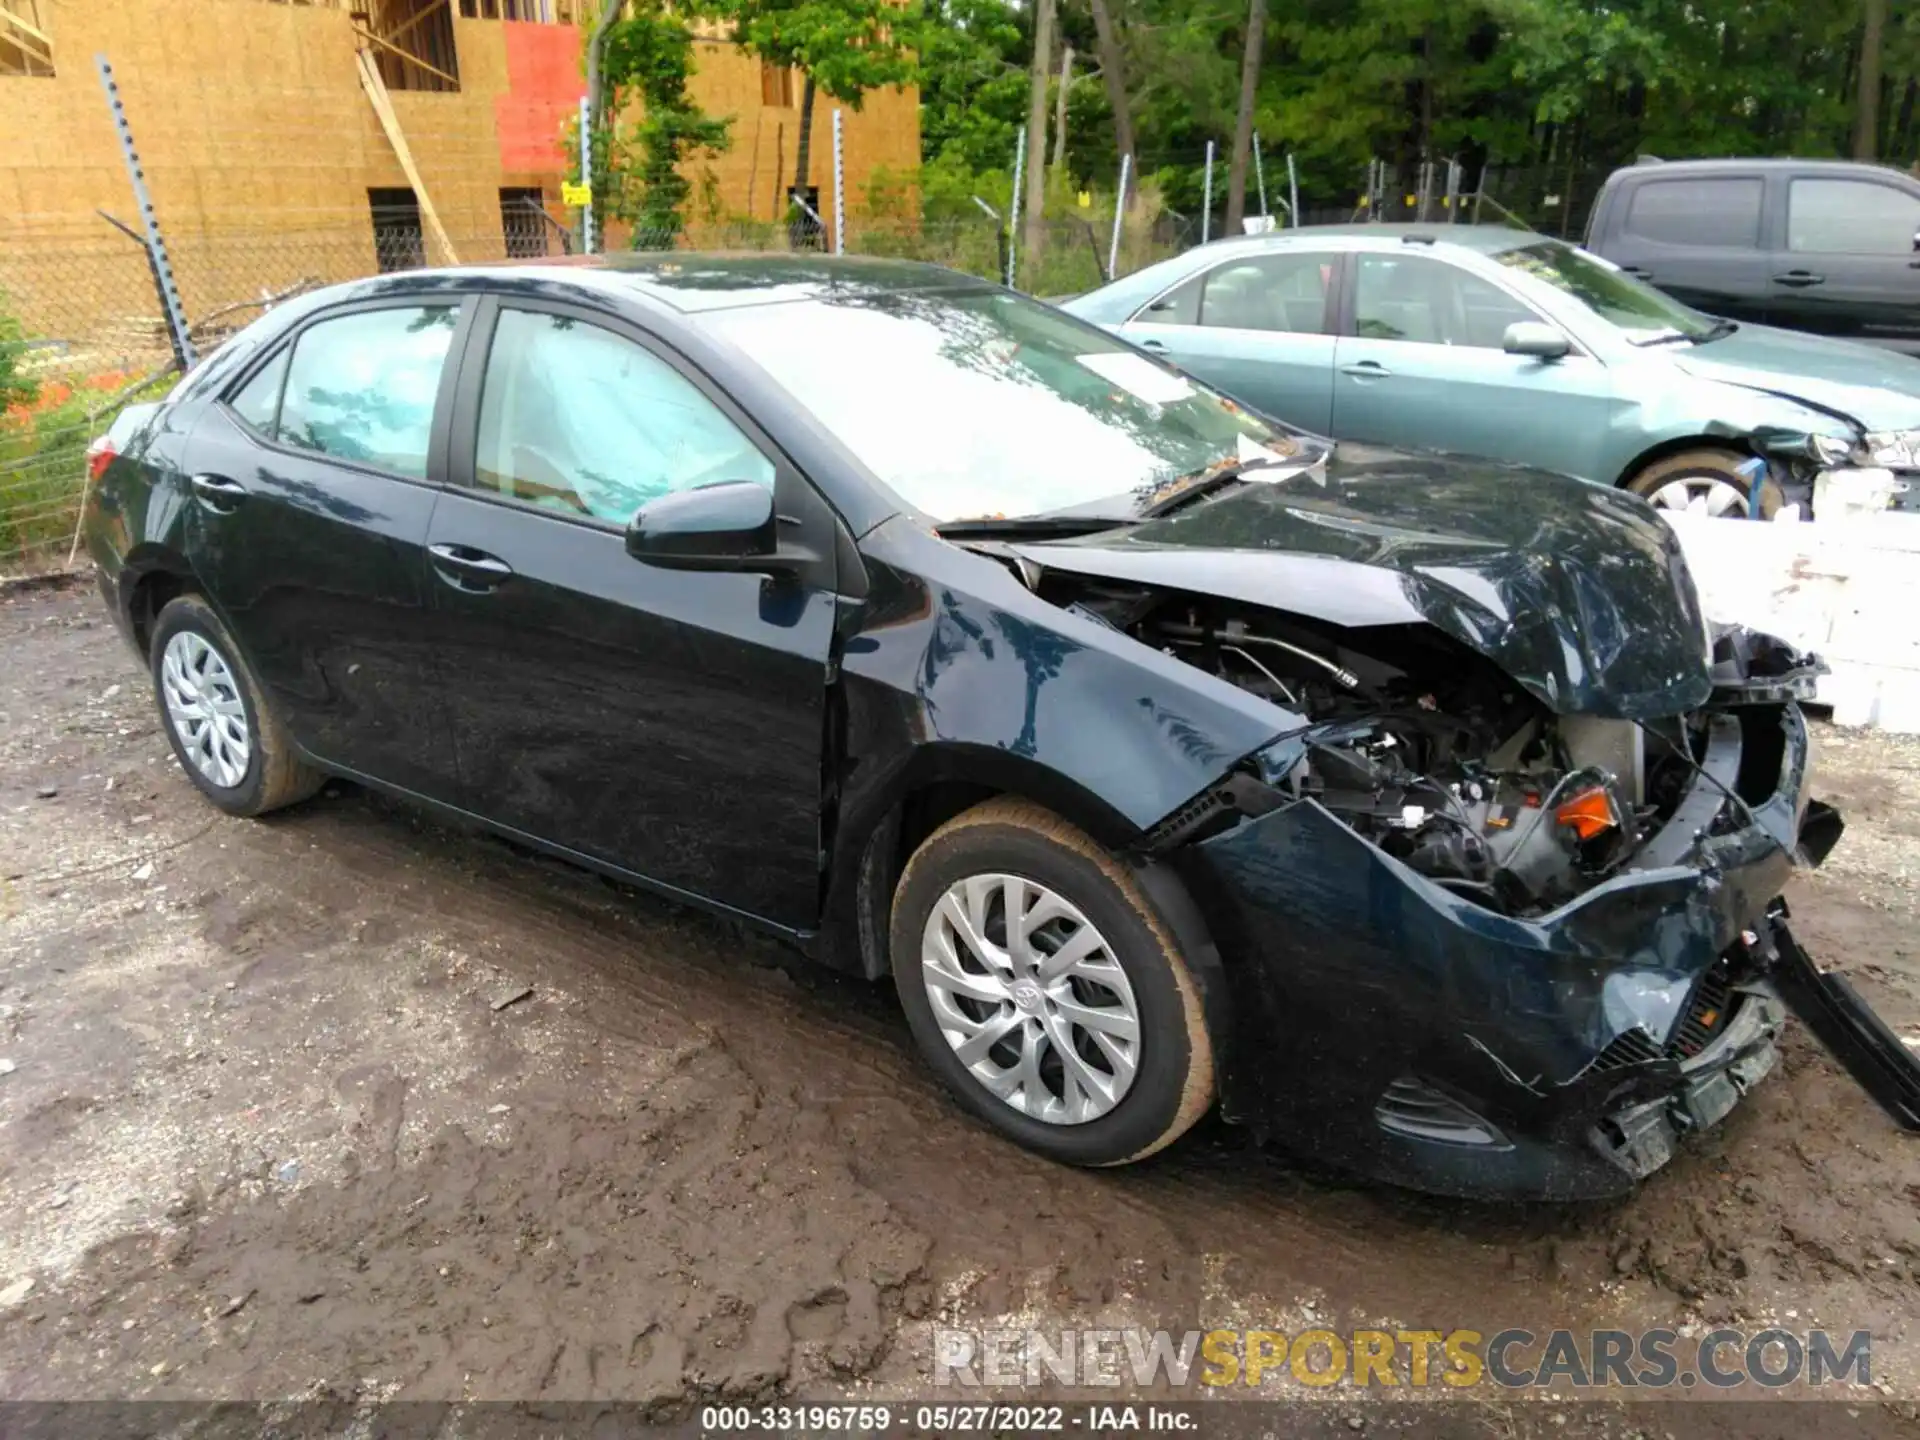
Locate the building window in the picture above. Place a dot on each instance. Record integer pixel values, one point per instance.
(538, 12)
(25, 46)
(411, 41)
(398, 241)
(523, 221)
(776, 85)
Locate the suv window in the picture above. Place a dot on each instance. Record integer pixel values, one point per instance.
(1719, 211)
(577, 419)
(1850, 217)
(1414, 298)
(361, 387)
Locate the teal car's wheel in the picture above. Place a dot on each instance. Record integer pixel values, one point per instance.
(1703, 482)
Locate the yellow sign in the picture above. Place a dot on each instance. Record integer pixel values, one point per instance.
(1086, 200)
(578, 195)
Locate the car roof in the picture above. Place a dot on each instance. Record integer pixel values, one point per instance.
(1488, 239)
(695, 281)
(1654, 165)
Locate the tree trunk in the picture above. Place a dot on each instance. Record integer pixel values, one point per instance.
(1866, 106)
(1060, 107)
(1243, 119)
(1113, 71)
(805, 229)
(1035, 238)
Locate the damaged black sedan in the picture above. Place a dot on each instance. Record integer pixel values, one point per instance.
(1164, 757)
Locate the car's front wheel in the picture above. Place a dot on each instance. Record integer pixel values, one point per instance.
(1045, 990)
(1705, 482)
(232, 747)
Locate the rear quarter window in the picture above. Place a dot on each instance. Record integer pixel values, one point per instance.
(1720, 212)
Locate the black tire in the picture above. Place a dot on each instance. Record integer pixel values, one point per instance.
(275, 775)
(1173, 1083)
(1706, 464)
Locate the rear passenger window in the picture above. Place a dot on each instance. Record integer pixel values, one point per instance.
(1722, 213)
(1850, 217)
(258, 402)
(362, 387)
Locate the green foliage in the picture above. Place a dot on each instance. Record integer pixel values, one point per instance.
(15, 387)
(846, 47)
(1556, 91)
(648, 59)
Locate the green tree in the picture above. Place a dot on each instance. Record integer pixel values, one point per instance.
(844, 47)
(647, 57)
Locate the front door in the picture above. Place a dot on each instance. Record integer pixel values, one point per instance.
(311, 485)
(1255, 327)
(1424, 370)
(1851, 267)
(667, 722)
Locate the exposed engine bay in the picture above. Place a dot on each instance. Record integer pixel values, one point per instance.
(1428, 750)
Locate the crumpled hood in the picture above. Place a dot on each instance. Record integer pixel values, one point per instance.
(1877, 389)
(1576, 591)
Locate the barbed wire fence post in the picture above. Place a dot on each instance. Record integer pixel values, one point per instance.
(839, 189)
(176, 323)
(1013, 210)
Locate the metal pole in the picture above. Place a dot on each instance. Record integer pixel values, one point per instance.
(839, 190)
(183, 351)
(586, 176)
(1119, 209)
(1293, 191)
(1206, 209)
(1259, 173)
(1013, 211)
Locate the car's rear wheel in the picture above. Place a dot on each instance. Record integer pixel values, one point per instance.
(1706, 481)
(228, 742)
(1045, 990)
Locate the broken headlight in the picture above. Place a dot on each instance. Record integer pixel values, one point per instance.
(1893, 449)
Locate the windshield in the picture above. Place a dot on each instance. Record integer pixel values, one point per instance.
(979, 404)
(1641, 311)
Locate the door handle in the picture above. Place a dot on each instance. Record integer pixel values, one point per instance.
(1366, 370)
(1799, 279)
(471, 569)
(217, 493)
(1638, 272)
(1152, 344)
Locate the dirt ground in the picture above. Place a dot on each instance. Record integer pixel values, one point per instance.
(268, 1129)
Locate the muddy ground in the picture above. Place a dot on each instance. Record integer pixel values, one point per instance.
(268, 1129)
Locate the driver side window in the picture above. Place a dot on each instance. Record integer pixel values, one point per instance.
(579, 420)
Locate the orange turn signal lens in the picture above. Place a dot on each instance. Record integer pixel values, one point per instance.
(1589, 813)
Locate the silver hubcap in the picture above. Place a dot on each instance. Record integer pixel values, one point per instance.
(1031, 998)
(1700, 495)
(203, 704)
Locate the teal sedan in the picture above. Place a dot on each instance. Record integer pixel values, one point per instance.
(1499, 343)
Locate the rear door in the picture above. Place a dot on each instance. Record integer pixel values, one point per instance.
(312, 481)
(1258, 327)
(1848, 260)
(1422, 368)
(1698, 238)
(667, 722)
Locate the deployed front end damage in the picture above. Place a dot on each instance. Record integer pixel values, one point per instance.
(1482, 948)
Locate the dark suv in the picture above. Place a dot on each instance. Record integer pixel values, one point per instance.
(1826, 246)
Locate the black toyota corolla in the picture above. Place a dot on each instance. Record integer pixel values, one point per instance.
(1405, 807)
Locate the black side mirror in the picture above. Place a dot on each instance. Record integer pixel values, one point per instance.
(728, 526)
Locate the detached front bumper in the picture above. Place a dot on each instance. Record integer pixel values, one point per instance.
(1391, 1026)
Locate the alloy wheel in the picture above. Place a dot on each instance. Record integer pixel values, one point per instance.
(1031, 998)
(204, 708)
(1700, 495)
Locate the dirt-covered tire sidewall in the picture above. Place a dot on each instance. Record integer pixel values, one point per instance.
(274, 777)
(1716, 464)
(1174, 1084)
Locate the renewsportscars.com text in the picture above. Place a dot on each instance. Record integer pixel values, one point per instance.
(1721, 1359)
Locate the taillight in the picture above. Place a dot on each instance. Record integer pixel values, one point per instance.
(100, 454)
